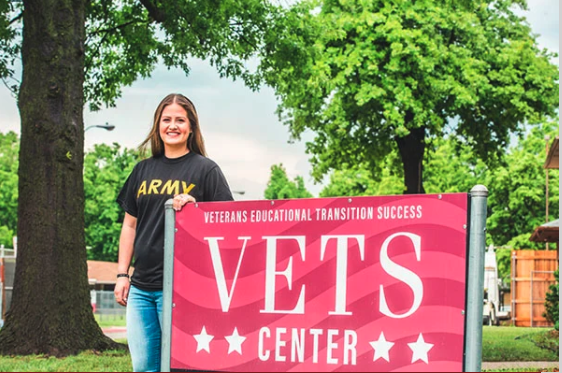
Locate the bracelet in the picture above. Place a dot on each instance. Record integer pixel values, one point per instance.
(122, 275)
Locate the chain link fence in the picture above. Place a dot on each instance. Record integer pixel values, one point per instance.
(104, 305)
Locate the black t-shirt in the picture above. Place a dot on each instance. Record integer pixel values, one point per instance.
(152, 182)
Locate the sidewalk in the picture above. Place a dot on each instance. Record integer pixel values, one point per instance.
(115, 332)
(494, 366)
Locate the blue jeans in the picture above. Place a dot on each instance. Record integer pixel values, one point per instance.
(144, 328)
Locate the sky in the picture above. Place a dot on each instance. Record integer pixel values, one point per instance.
(241, 130)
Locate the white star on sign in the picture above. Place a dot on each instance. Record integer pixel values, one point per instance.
(420, 349)
(381, 347)
(203, 339)
(235, 342)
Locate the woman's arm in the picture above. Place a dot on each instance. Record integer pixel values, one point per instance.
(126, 241)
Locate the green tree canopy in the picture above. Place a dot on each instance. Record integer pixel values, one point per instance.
(359, 181)
(9, 149)
(517, 192)
(552, 304)
(105, 169)
(371, 77)
(449, 168)
(124, 41)
(517, 189)
(517, 196)
(280, 186)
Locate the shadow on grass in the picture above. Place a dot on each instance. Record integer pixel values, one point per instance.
(547, 340)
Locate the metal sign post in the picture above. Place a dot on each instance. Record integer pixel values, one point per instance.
(169, 233)
(475, 286)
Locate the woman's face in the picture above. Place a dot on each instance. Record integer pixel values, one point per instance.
(174, 128)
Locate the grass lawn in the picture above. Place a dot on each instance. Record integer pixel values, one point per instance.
(105, 321)
(88, 361)
(505, 343)
(536, 369)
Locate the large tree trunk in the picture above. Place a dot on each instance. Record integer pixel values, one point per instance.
(51, 311)
(411, 149)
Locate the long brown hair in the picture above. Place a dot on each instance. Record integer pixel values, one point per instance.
(195, 141)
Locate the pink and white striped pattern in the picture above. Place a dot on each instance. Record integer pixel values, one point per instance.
(441, 268)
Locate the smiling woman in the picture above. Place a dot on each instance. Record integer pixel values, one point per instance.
(178, 169)
(174, 131)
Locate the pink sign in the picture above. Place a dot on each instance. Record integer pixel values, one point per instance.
(326, 284)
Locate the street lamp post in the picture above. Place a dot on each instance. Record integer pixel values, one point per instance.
(241, 192)
(106, 126)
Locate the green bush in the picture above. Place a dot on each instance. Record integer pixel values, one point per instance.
(551, 303)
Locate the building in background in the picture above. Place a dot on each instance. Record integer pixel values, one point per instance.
(101, 277)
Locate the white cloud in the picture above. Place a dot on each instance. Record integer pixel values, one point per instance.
(543, 16)
(246, 161)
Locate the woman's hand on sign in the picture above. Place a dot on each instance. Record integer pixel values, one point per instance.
(181, 199)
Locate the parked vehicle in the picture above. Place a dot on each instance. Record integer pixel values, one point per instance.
(493, 310)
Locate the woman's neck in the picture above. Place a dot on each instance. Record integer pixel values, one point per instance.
(175, 152)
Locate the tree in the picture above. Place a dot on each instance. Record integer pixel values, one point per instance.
(280, 187)
(9, 148)
(50, 310)
(449, 168)
(552, 307)
(370, 77)
(105, 169)
(73, 53)
(359, 181)
(517, 198)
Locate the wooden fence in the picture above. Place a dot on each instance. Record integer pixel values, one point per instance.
(532, 272)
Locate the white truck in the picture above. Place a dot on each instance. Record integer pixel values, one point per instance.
(493, 310)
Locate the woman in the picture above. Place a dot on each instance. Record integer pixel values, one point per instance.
(178, 168)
